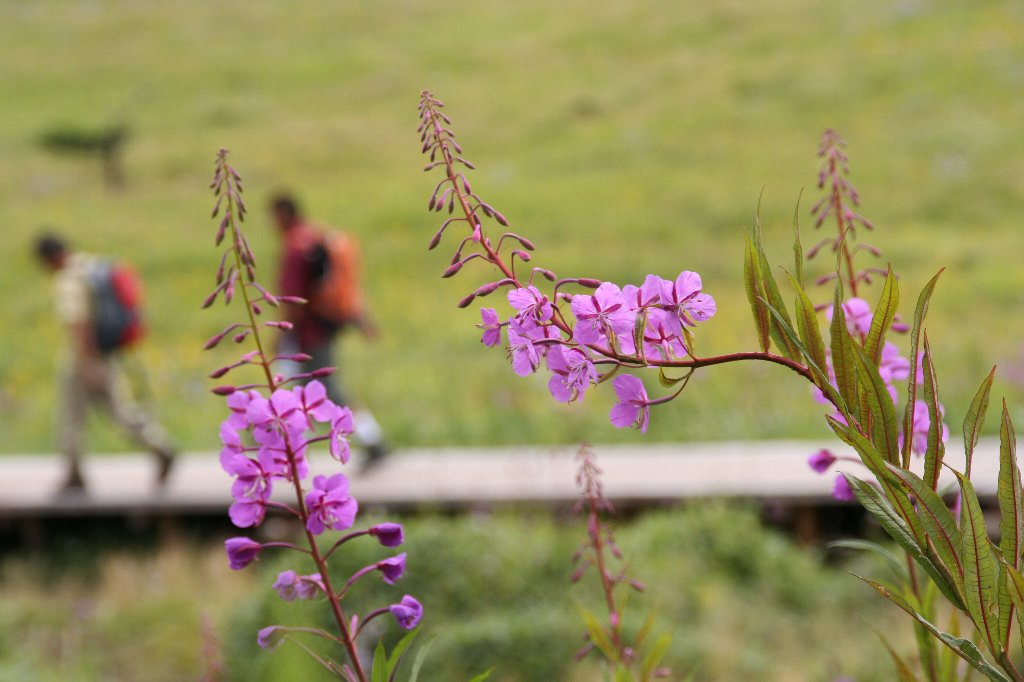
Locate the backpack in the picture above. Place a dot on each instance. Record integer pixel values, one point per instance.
(335, 297)
(116, 290)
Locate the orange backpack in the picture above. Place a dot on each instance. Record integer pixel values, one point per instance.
(336, 296)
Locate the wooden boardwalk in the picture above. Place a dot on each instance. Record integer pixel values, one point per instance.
(773, 472)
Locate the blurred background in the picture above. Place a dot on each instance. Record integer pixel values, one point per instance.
(622, 138)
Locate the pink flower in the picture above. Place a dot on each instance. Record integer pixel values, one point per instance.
(491, 327)
(841, 489)
(572, 373)
(388, 534)
(645, 296)
(407, 612)
(330, 505)
(241, 552)
(392, 568)
(312, 399)
(342, 426)
(661, 337)
(602, 314)
(633, 406)
(270, 636)
(685, 302)
(521, 348)
(821, 461)
(291, 586)
(530, 303)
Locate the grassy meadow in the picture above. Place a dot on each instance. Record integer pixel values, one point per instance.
(749, 605)
(623, 138)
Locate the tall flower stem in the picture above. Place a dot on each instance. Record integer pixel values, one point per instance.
(231, 210)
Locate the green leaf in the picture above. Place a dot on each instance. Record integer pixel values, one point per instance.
(756, 294)
(483, 676)
(380, 663)
(598, 636)
(421, 656)
(938, 522)
(622, 674)
(905, 535)
(979, 565)
(654, 656)
(399, 652)
(1011, 513)
(881, 413)
(798, 249)
(896, 565)
(771, 289)
(964, 648)
(975, 419)
(915, 342)
(807, 324)
(1011, 499)
(843, 363)
(885, 311)
(936, 451)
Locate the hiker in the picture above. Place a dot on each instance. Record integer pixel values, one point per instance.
(323, 267)
(97, 301)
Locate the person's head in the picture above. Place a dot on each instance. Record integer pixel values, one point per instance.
(51, 251)
(285, 212)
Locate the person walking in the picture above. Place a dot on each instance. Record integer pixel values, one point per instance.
(97, 302)
(322, 267)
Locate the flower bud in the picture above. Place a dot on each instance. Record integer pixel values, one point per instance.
(223, 390)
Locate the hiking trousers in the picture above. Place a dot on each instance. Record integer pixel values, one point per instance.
(113, 395)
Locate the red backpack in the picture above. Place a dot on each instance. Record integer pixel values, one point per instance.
(116, 306)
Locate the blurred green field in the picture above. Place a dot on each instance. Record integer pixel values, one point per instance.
(623, 138)
(742, 603)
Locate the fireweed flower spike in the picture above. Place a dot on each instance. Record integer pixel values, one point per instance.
(598, 327)
(597, 554)
(270, 432)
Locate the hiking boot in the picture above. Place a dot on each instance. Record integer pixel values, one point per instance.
(165, 462)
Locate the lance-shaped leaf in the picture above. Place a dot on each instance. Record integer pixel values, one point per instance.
(964, 648)
(980, 587)
(915, 342)
(1011, 513)
(654, 656)
(936, 450)
(843, 363)
(900, 531)
(755, 294)
(885, 311)
(779, 335)
(820, 377)
(807, 324)
(895, 564)
(938, 522)
(884, 429)
(975, 419)
(1011, 499)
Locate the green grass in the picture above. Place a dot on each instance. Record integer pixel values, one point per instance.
(624, 138)
(741, 602)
